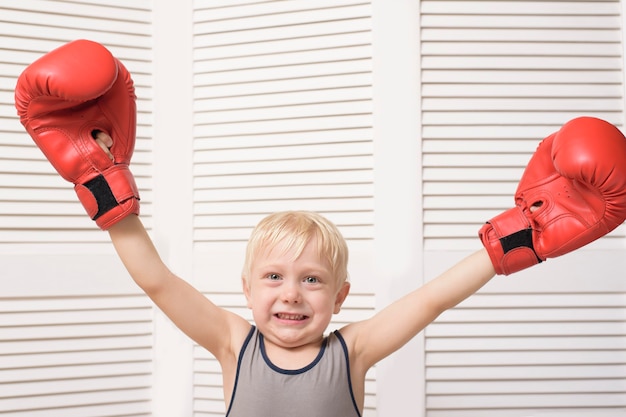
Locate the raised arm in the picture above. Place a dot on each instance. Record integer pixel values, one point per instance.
(77, 102)
(572, 192)
(209, 325)
(396, 324)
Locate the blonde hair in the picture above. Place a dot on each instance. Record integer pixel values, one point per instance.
(294, 229)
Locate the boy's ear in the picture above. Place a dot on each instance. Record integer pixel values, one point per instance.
(341, 296)
(246, 290)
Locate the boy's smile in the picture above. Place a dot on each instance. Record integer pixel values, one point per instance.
(290, 317)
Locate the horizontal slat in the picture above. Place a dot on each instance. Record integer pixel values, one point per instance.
(445, 222)
(522, 63)
(258, 112)
(269, 15)
(529, 49)
(482, 145)
(530, 21)
(138, 341)
(277, 60)
(586, 8)
(287, 125)
(489, 204)
(455, 189)
(75, 400)
(71, 331)
(93, 317)
(51, 361)
(213, 393)
(575, 91)
(72, 386)
(525, 412)
(343, 221)
(543, 343)
(577, 104)
(540, 299)
(210, 91)
(69, 371)
(527, 372)
(472, 174)
(268, 139)
(215, 10)
(561, 315)
(282, 25)
(506, 125)
(356, 210)
(476, 160)
(81, 16)
(519, 34)
(599, 328)
(84, 303)
(283, 178)
(283, 45)
(313, 164)
(512, 76)
(110, 9)
(285, 72)
(527, 401)
(141, 407)
(295, 192)
(281, 99)
(525, 387)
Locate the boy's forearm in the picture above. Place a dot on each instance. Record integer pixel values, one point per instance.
(137, 252)
(462, 280)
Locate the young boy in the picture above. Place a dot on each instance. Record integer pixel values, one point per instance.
(294, 280)
(78, 104)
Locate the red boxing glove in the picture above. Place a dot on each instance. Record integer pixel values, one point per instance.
(576, 181)
(62, 99)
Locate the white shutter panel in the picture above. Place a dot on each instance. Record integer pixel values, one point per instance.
(282, 115)
(283, 120)
(75, 356)
(75, 339)
(557, 351)
(547, 340)
(499, 76)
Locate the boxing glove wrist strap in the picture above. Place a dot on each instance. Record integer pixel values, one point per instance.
(508, 239)
(109, 195)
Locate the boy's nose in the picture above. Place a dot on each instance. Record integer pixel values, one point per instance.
(290, 292)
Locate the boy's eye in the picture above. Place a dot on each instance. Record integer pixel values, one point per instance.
(273, 277)
(311, 280)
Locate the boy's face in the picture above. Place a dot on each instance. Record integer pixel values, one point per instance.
(292, 301)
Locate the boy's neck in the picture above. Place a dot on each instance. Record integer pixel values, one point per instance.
(292, 358)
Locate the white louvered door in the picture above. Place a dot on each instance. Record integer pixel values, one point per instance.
(287, 113)
(75, 356)
(499, 76)
(75, 334)
(283, 120)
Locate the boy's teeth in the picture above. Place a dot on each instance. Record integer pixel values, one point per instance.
(290, 317)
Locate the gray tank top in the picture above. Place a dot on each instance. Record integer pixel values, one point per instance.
(321, 389)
